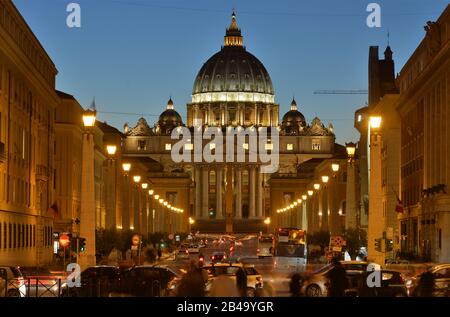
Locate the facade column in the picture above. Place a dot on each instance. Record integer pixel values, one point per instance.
(198, 192)
(268, 116)
(259, 193)
(238, 171)
(255, 120)
(219, 200)
(205, 191)
(126, 203)
(252, 192)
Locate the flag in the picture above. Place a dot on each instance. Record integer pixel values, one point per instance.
(399, 206)
(54, 211)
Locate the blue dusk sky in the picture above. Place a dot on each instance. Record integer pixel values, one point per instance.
(133, 54)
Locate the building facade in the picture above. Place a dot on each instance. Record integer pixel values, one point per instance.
(423, 107)
(27, 108)
(232, 92)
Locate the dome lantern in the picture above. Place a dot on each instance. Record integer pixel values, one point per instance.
(233, 36)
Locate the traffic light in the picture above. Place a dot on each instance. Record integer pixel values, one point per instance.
(378, 244)
(82, 244)
(389, 245)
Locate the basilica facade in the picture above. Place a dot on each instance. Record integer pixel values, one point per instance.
(232, 90)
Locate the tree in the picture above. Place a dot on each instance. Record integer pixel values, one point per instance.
(321, 238)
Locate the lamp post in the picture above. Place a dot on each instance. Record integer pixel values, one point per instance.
(352, 217)
(152, 211)
(136, 204)
(333, 221)
(325, 203)
(376, 223)
(87, 216)
(126, 167)
(191, 222)
(113, 212)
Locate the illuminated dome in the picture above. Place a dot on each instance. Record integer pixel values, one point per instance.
(169, 119)
(233, 74)
(293, 121)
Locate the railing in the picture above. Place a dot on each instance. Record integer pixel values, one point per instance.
(99, 287)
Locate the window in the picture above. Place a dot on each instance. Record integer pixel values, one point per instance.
(316, 145)
(4, 235)
(34, 235)
(245, 146)
(22, 236)
(168, 146)
(14, 236)
(212, 146)
(269, 146)
(289, 147)
(1, 235)
(142, 145)
(26, 236)
(359, 118)
(188, 146)
(10, 235)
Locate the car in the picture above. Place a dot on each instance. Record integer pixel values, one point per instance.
(96, 281)
(254, 279)
(193, 248)
(148, 281)
(218, 256)
(441, 275)
(182, 253)
(392, 285)
(40, 282)
(315, 285)
(12, 283)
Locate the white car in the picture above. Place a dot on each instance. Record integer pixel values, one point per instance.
(12, 283)
(193, 249)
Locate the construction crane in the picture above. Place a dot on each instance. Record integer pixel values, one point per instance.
(341, 92)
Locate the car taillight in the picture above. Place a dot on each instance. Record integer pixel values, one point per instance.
(202, 259)
(187, 252)
(213, 257)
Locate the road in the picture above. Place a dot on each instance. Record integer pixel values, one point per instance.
(276, 283)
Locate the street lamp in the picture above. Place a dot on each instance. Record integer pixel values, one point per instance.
(144, 185)
(136, 179)
(304, 197)
(317, 186)
(89, 117)
(375, 122)
(310, 192)
(191, 222)
(325, 179)
(335, 167)
(156, 197)
(126, 167)
(111, 149)
(351, 149)
(150, 192)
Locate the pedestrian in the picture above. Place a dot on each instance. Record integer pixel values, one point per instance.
(295, 284)
(241, 282)
(159, 252)
(337, 278)
(193, 282)
(426, 285)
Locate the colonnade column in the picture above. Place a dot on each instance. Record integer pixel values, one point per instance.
(205, 191)
(252, 193)
(219, 202)
(198, 192)
(259, 193)
(238, 171)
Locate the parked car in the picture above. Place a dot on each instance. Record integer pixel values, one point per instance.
(392, 285)
(12, 283)
(441, 276)
(40, 282)
(148, 281)
(315, 285)
(96, 281)
(254, 279)
(218, 256)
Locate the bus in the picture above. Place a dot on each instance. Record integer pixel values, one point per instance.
(265, 245)
(289, 246)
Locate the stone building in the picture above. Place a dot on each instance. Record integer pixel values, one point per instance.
(27, 132)
(232, 92)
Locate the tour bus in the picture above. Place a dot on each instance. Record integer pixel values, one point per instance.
(289, 247)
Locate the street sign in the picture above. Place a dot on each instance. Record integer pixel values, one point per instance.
(337, 249)
(64, 240)
(337, 241)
